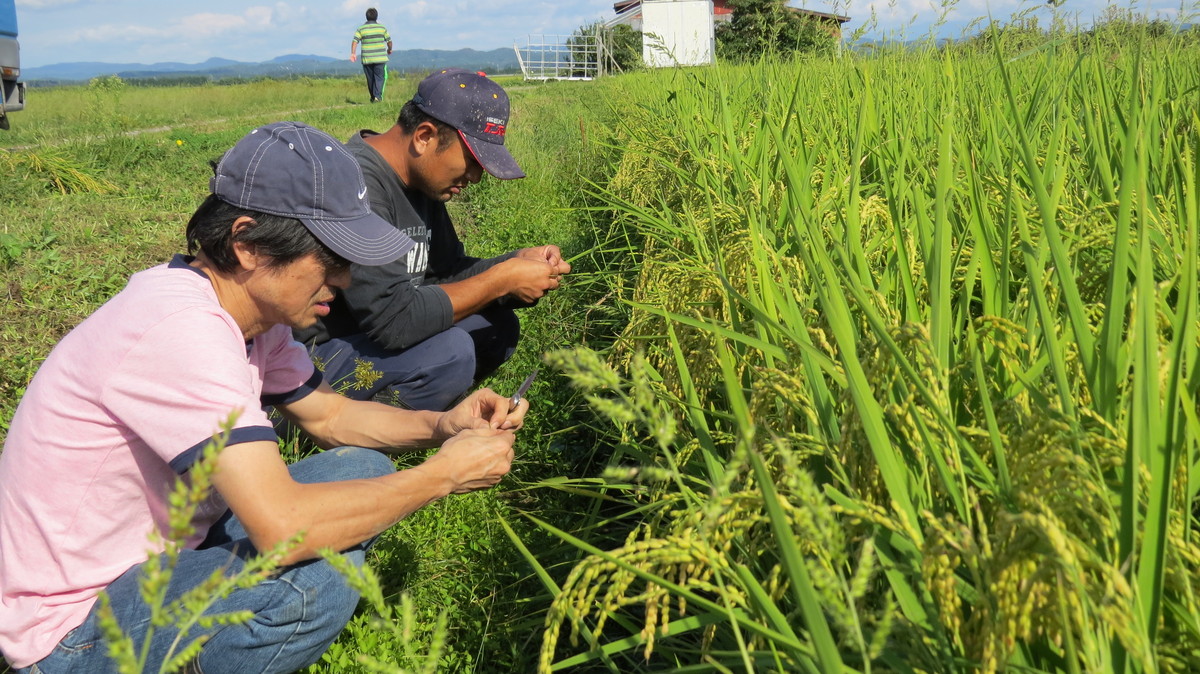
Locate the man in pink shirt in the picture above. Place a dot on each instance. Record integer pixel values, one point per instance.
(125, 403)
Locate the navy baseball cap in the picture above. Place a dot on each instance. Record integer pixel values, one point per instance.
(478, 108)
(295, 171)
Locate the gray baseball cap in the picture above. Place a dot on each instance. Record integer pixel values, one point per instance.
(295, 171)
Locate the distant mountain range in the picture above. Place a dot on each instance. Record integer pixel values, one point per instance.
(404, 60)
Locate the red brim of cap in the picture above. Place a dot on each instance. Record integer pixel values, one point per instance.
(493, 157)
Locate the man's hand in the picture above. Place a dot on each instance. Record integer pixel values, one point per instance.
(482, 409)
(550, 254)
(528, 280)
(476, 458)
(353, 57)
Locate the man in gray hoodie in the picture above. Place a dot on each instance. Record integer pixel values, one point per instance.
(436, 321)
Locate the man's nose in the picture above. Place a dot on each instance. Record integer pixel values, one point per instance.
(474, 172)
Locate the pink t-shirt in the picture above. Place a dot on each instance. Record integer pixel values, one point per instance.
(122, 406)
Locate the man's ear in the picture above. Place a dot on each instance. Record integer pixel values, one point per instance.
(425, 137)
(247, 253)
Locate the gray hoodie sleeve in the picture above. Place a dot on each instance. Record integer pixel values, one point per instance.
(473, 266)
(394, 312)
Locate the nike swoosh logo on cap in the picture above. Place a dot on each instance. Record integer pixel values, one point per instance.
(363, 193)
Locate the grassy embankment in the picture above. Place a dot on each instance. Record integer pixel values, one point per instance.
(100, 183)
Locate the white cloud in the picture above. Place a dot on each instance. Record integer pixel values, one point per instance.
(208, 24)
(259, 16)
(108, 33)
(286, 12)
(358, 9)
(202, 25)
(414, 10)
(45, 4)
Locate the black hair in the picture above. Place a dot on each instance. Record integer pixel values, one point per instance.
(411, 117)
(280, 238)
(372, 14)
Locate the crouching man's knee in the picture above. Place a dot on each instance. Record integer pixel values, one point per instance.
(304, 610)
(442, 370)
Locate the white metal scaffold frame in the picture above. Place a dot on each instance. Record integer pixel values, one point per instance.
(561, 57)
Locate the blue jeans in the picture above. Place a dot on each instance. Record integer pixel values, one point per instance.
(429, 375)
(297, 613)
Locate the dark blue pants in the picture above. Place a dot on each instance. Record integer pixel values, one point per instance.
(376, 75)
(430, 375)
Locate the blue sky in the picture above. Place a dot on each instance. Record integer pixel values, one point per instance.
(150, 31)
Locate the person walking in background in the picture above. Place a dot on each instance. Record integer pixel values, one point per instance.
(376, 46)
(436, 321)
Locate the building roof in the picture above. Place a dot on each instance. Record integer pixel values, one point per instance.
(720, 8)
(821, 15)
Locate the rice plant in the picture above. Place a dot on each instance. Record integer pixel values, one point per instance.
(55, 170)
(911, 361)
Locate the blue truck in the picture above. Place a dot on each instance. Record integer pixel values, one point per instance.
(12, 89)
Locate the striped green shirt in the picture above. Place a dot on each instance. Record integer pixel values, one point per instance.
(374, 38)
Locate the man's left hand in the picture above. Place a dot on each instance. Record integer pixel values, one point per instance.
(482, 409)
(550, 254)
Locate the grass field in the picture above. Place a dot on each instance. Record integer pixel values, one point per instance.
(875, 363)
(100, 183)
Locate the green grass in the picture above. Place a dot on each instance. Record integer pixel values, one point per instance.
(90, 201)
(106, 107)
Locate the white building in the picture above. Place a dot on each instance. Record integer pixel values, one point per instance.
(674, 32)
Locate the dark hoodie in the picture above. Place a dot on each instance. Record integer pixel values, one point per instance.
(399, 304)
